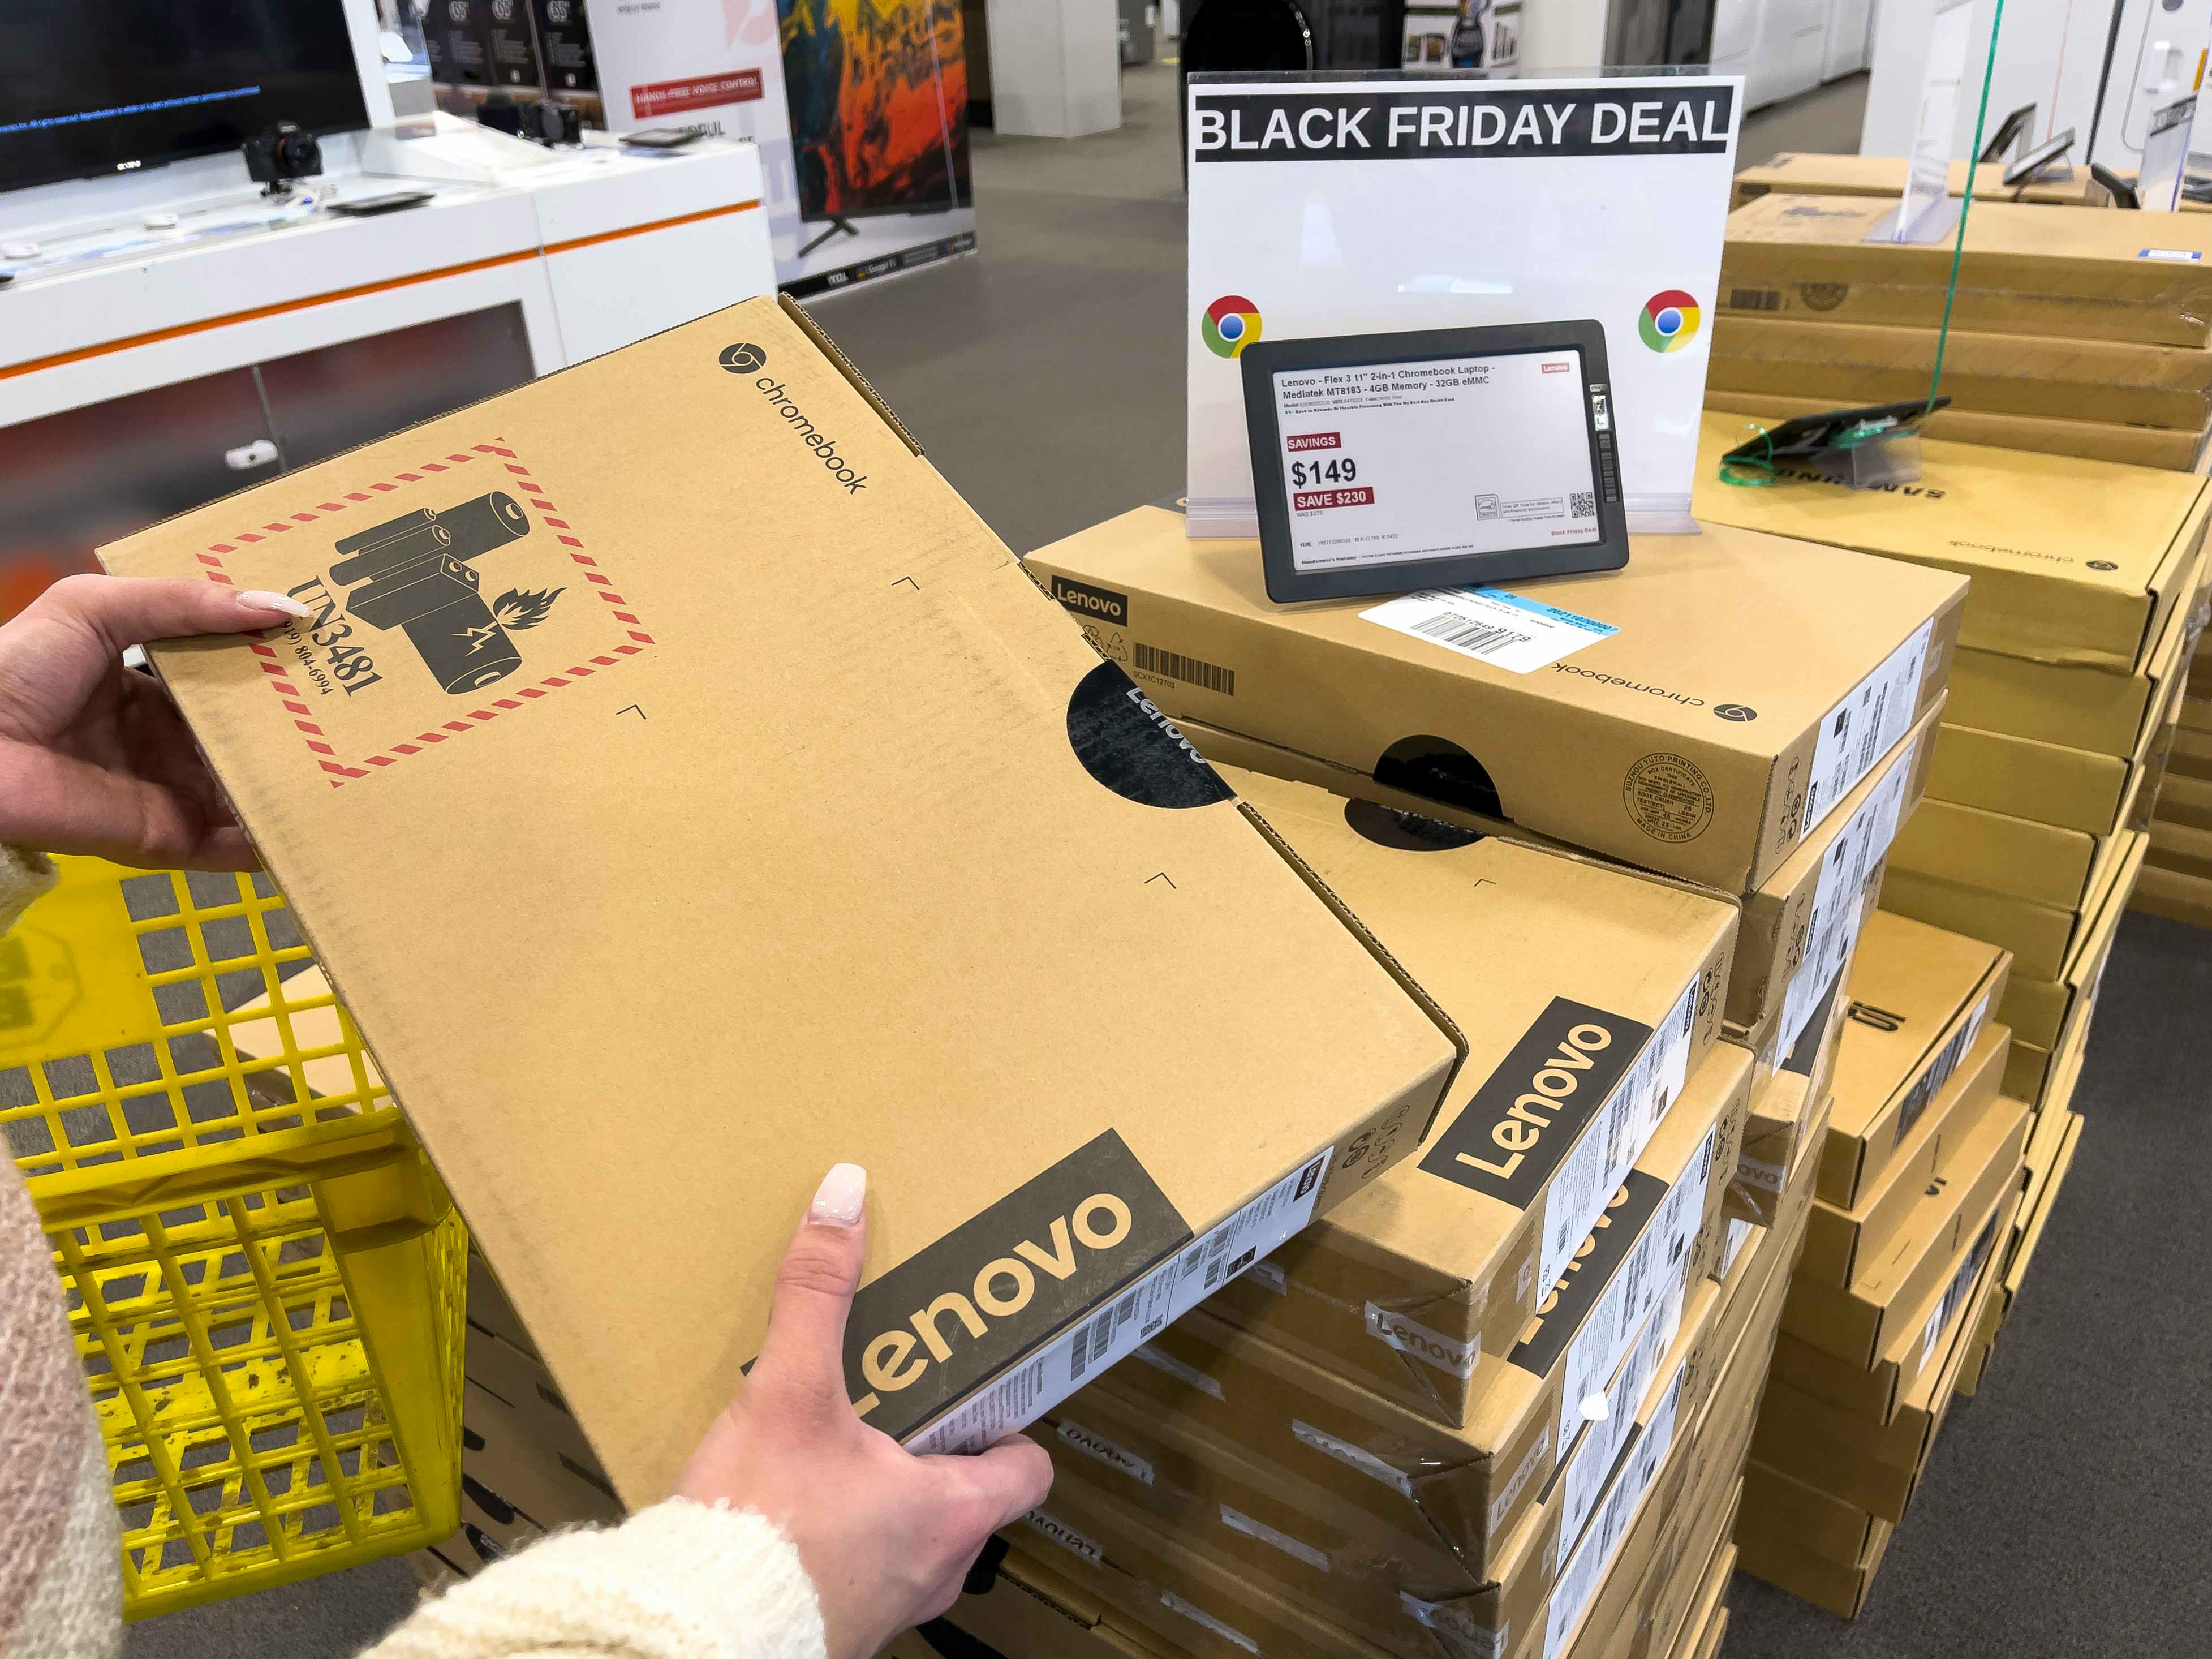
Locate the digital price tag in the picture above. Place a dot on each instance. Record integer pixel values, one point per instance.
(1445, 458)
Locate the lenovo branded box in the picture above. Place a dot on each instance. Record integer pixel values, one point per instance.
(2026, 268)
(1919, 999)
(1841, 1244)
(2072, 561)
(1595, 991)
(1860, 1324)
(2043, 434)
(1303, 1408)
(1699, 712)
(1796, 925)
(534, 777)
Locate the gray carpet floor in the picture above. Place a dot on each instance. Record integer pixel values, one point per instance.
(2064, 1514)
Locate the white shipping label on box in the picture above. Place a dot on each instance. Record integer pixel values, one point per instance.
(1656, 1266)
(1838, 906)
(1321, 208)
(1929, 1083)
(1592, 1459)
(1124, 1326)
(1585, 1569)
(1864, 726)
(1491, 625)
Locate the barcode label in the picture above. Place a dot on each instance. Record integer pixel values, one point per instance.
(1601, 1157)
(1171, 665)
(1603, 1436)
(1657, 1268)
(1863, 728)
(1504, 629)
(1754, 299)
(1477, 639)
(1955, 1293)
(1585, 1570)
(1931, 1081)
(1162, 1296)
(1838, 900)
(1097, 1337)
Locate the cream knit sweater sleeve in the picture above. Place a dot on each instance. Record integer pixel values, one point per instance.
(678, 1581)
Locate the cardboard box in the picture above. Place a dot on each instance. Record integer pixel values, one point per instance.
(2074, 788)
(2043, 1007)
(888, 950)
(2072, 561)
(1022, 1610)
(2023, 1257)
(1297, 1403)
(1401, 1591)
(1878, 1468)
(2177, 897)
(2039, 862)
(1918, 998)
(2191, 754)
(1653, 675)
(1811, 1521)
(1595, 993)
(2081, 705)
(1801, 172)
(2180, 847)
(2186, 800)
(1788, 1113)
(1672, 1452)
(2025, 268)
(2039, 936)
(1798, 915)
(1800, 927)
(1841, 1244)
(2045, 434)
(1853, 363)
(1840, 1590)
(1858, 1324)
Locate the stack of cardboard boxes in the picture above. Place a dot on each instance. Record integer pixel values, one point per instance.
(1919, 1200)
(2086, 599)
(1498, 1403)
(2177, 877)
(2071, 333)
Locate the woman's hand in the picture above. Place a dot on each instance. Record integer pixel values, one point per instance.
(886, 1536)
(94, 756)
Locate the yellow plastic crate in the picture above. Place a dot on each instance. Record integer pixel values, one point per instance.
(266, 1280)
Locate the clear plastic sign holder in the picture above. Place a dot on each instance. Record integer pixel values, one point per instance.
(1927, 212)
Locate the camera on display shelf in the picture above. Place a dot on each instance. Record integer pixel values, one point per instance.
(540, 119)
(284, 152)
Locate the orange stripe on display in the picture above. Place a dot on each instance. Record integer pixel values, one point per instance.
(184, 330)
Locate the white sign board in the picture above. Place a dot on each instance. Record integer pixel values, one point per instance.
(1321, 207)
(1926, 213)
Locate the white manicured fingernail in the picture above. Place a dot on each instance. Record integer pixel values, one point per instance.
(258, 600)
(837, 1200)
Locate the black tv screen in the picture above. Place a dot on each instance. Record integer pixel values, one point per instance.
(88, 87)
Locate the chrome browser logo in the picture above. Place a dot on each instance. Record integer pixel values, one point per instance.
(1669, 319)
(1230, 323)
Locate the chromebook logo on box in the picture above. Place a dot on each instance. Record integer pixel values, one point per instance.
(1668, 320)
(1230, 323)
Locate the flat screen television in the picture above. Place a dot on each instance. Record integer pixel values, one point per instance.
(92, 87)
(879, 97)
